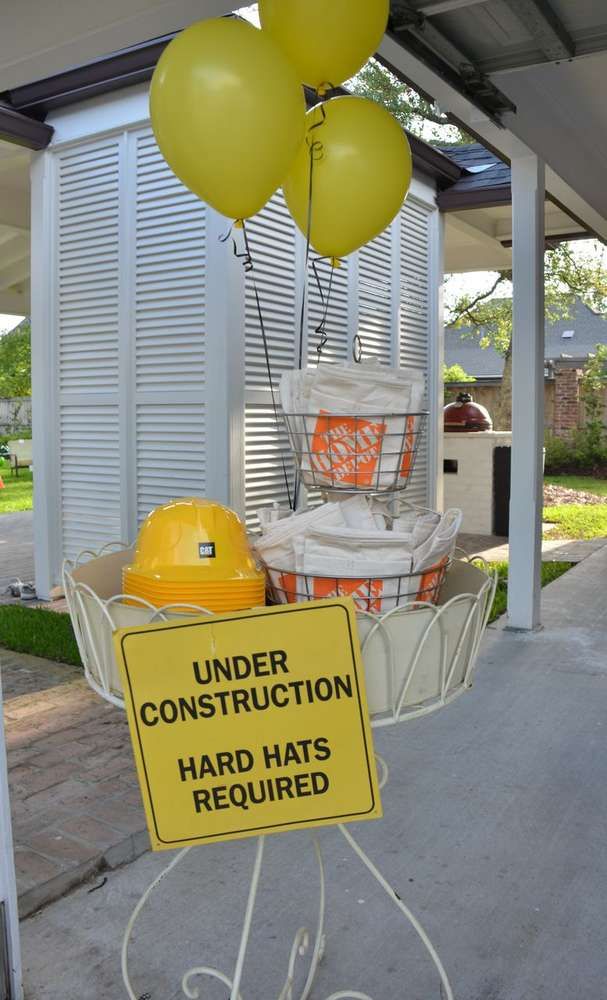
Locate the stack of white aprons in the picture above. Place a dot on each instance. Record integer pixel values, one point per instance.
(355, 548)
(354, 426)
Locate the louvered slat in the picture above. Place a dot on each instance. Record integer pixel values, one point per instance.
(171, 453)
(415, 317)
(375, 309)
(266, 446)
(272, 240)
(88, 267)
(169, 315)
(90, 475)
(336, 348)
(87, 282)
(170, 261)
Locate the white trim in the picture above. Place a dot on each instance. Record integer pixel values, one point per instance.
(524, 573)
(45, 423)
(436, 354)
(225, 389)
(127, 402)
(395, 238)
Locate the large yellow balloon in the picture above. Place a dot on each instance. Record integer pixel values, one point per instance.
(326, 40)
(228, 113)
(361, 174)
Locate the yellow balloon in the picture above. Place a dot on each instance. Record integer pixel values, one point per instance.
(228, 113)
(361, 173)
(326, 40)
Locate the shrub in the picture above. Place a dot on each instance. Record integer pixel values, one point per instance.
(584, 453)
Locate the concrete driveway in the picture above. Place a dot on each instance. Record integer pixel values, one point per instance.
(493, 833)
(16, 548)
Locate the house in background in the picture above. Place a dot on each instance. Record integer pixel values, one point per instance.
(568, 344)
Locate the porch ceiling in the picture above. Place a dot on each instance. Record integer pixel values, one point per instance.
(14, 229)
(518, 71)
(480, 239)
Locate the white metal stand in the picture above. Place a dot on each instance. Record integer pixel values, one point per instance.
(301, 941)
(418, 658)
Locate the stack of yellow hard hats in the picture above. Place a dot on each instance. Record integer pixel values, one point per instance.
(194, 551)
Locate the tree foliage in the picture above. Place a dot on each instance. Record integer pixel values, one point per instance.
(569, 275)
(15, 362)
(455, 373)
(413, 111)
(592, 386)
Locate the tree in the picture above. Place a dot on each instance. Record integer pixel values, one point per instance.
(455, 373)
(592, 385)
(569, 275)
(414, 112)
(15, 362)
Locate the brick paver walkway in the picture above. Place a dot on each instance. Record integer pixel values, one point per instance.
(74, 795)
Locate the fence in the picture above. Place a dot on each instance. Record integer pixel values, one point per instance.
(15, 415)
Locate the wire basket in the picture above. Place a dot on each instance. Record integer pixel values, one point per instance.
(356, 453)
(371, 594)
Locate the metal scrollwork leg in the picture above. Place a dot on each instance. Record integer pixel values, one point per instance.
(377, 875)
(302, 940)
(299, 948)
(129, 927)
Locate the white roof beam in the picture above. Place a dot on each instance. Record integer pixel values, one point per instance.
(546, 28)
(445, 6)
(421, 76)
(480, 231)
(41, 41)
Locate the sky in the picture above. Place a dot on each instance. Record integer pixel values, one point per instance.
(8, 322)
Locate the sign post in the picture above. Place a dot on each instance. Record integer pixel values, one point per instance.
(249, 723)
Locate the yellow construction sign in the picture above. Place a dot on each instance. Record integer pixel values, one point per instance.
(250, 722)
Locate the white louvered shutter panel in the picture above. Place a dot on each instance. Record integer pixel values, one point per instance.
(334, 282)
(414, 313)
(272, 238)
(87, 281)
(375, 297)
(169, 332)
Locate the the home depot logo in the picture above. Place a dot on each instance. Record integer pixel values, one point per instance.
(206, 550)
(347, 449)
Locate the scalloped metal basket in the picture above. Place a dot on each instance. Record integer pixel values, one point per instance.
(418, 657)
(356, 453)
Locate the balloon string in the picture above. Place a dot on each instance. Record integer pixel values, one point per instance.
(249, 268)
(316, 152)
(325, 301)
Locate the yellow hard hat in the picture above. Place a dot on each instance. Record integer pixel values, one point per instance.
(196, 550)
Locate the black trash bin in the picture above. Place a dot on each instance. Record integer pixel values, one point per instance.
(501, 491)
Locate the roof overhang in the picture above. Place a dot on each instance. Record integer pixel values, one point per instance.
(519, 75)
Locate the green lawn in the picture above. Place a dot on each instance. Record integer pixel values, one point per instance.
(586, 483)
(550, 571)
(40, 632)
(18, 490)
(576, 521)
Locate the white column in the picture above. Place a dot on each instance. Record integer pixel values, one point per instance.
(45, 427)
(524, 586)
(436, 357)
(225, 365)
